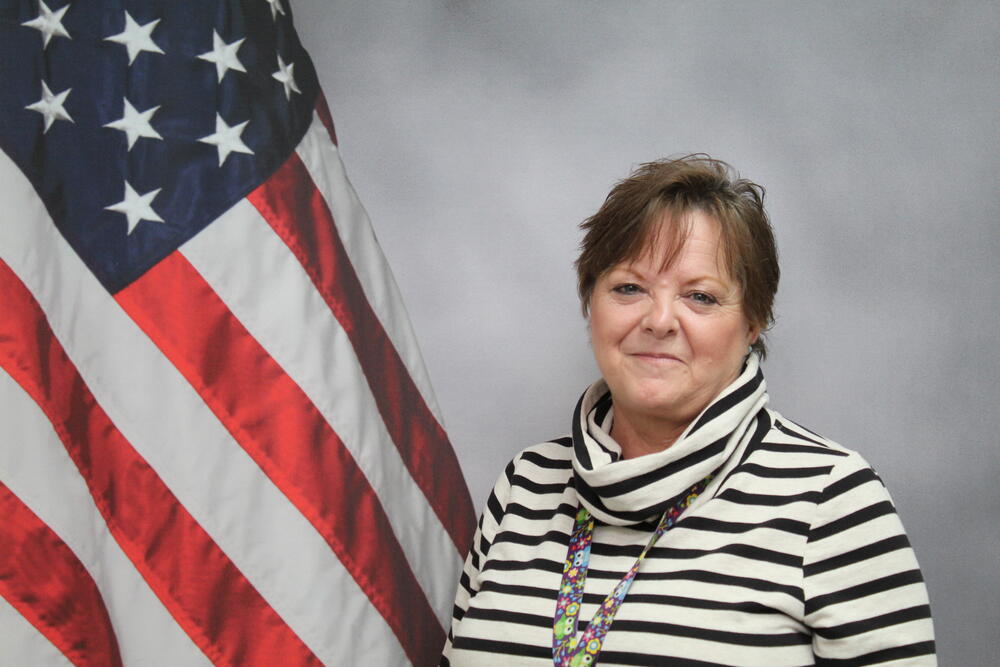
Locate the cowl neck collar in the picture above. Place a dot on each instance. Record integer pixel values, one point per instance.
(625, 492)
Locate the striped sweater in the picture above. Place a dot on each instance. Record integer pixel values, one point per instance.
(793, 555)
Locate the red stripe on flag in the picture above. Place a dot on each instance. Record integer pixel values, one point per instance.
(43, 579)
(280, 428)
(203, 590)
(325, 117)
(297, 212)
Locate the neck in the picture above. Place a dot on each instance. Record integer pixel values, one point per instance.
(639, 436)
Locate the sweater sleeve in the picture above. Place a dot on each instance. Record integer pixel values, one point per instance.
(486, 531)
(865, 598)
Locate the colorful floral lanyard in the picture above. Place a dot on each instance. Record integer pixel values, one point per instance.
(568, 650)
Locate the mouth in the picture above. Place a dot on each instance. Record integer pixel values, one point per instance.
(655, 357)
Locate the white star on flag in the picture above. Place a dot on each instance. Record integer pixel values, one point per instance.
(136, 207)
(227, 139)
(223, 55)
(135, 124)
(285, 76)
(51, 106)
(136, 38)
(276, 8)
(49, 23)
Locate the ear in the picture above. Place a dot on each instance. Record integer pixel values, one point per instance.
(753, 334)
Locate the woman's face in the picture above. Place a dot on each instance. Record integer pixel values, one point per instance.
(668, 341)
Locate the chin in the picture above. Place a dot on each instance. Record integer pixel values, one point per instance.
(657, 406)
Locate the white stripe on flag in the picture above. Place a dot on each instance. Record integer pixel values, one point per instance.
(322, 160)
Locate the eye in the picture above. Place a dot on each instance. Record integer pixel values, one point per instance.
(703, 298)
(626, 289)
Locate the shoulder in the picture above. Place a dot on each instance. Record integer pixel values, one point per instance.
(555, 454)
(794, 444)
(541, 468)
(786, 464)
(849, 495)
(788, 436)
(545, 467)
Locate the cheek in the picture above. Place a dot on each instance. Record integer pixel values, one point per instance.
(598, 324)
(601, 340)
(607, 330)
(730, 341)
(613, 321)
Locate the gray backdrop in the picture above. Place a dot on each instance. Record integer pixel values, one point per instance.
(478, 134)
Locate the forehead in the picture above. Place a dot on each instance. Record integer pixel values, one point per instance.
(690, 241)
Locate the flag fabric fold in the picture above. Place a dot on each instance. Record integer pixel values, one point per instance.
(220, 441)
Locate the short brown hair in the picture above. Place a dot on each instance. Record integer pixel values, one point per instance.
(627, 224)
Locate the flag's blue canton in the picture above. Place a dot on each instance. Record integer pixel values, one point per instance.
(123, 209)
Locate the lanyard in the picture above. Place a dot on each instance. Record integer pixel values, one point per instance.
(568, 650)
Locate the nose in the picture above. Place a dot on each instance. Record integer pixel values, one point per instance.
(660, 318)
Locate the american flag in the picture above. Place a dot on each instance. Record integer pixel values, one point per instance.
(218, 442)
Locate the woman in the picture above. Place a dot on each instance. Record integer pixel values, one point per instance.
(684, 521)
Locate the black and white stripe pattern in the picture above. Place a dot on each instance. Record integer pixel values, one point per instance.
(794, 555)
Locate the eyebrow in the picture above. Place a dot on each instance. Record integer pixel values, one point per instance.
(702, 278)
(719, 280)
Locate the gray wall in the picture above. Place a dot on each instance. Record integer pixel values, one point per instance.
(479, 134)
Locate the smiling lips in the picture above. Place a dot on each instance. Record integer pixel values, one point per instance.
(654, 357)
